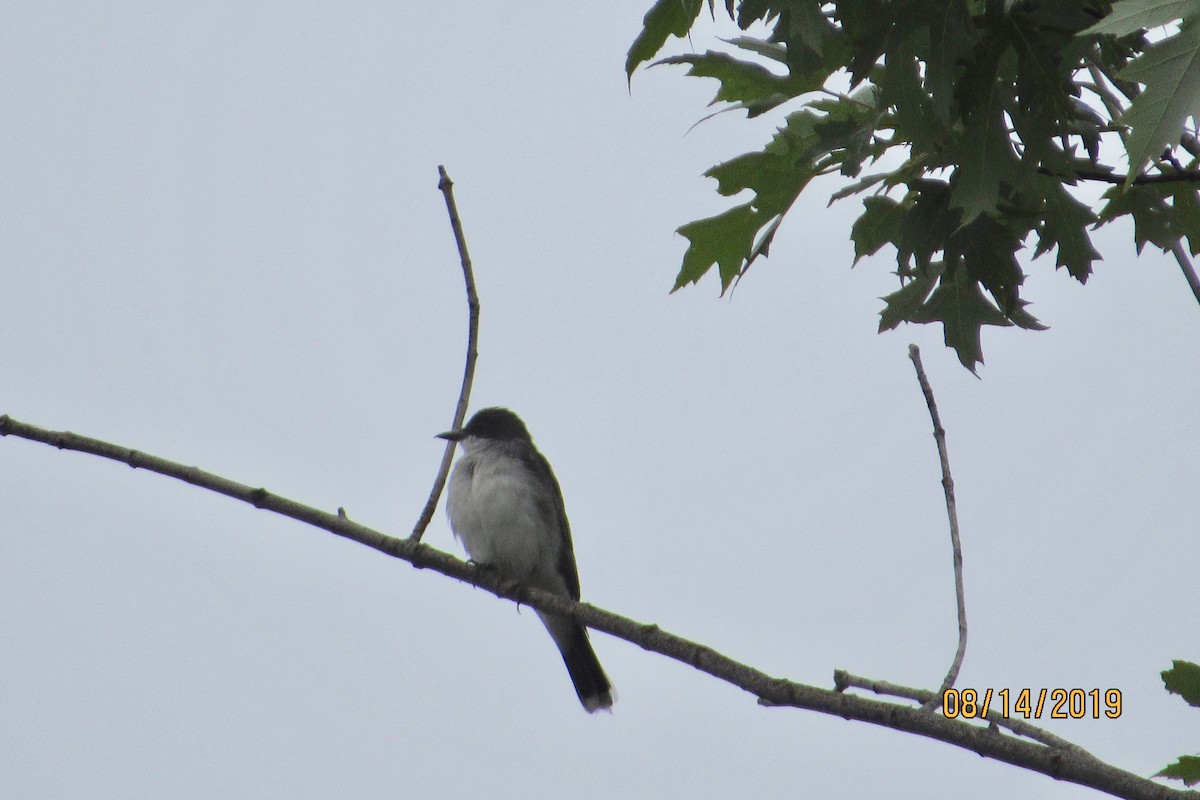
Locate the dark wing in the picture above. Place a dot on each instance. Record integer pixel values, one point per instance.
(537, 464)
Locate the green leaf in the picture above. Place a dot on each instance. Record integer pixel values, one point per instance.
(1063, 226)
(927, 226)
(1048, 56)
(776, 176)
(901, 91)
(777, 173)
(1023, 319)
(987, 248)
(858, 186)
(772, 50)
(984, 160)
(1130, 16)
(726, 240)
(1183, 679)
(754, 86)
(959, 304)
(952, 37)
(666, 18)
(1170, 71)
(908, 303)
(1186, 769)
(1152, 220)
(751, 11)
(869, 25)
(878, 225)
(1155, 221)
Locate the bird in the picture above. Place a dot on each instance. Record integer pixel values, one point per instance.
(507, 509)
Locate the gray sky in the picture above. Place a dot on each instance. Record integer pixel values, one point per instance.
(222, 243)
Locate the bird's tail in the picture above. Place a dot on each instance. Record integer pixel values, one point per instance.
(591, 684)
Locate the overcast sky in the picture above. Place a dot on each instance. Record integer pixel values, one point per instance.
(222, 243)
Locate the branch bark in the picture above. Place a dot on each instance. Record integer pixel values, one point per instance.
(939, 435)
(464, 396)
(1182, 176)
(1072, 764)
(1189, 271)
(844, 680)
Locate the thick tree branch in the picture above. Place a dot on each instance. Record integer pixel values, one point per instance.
(464, 396)
(939, 434)
(1068, 764)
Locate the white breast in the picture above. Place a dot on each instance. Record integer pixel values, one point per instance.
(495, 511)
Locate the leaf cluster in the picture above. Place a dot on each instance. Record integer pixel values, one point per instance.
(1183, 679)
(967, 126)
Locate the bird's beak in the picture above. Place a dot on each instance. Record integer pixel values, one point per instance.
(452, 436)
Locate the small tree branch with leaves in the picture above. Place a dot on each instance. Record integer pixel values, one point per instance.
(968, 128)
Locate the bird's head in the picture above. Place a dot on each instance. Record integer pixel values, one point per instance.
(491, 423)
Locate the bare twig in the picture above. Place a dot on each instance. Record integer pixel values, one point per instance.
(1074, 765)
(844, 680)
(1189, 271)
(464, 396)
(939, 434)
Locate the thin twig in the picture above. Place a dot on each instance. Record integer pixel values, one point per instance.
(1112, 104)
(1181, 176)
(1074, 765)
(844, 680)
(1185, 264)
(464, 396)
(1189, 143)
(939, 434)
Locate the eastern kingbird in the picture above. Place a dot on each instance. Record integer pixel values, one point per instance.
(506, 507)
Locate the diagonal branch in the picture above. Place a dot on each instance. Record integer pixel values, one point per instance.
(1189, 271)
(939, 434)
(464, 396)
(1068, 764)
